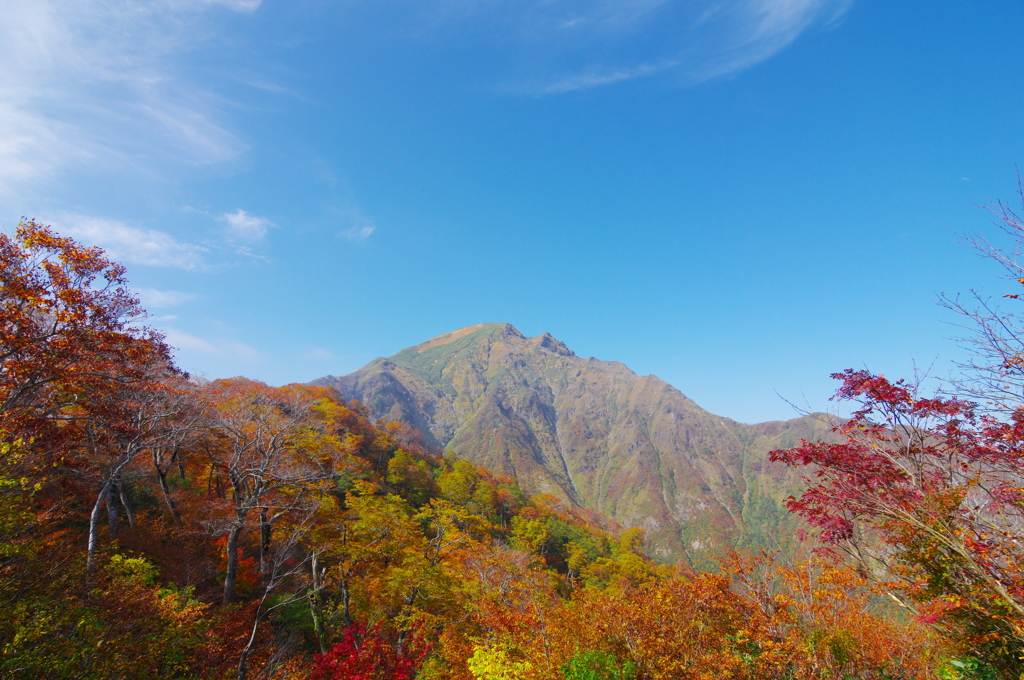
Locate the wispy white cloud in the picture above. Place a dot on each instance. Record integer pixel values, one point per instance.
(359, 227)
(223, 348)
(359, 234)
(597, 78)
(93, 81)
(236, 5)
(755, 30)
(181, 340)
(245, 227)
(129, 244)
(535, 19)
(595, 43)
(158, 299)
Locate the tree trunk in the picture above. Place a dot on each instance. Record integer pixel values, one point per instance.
(314, 605)
(94, 520)
(126, 503)
(264, 546)
(243, 659)
(231, 575)
(165, 491)
(112, 512)
(176, 459)
(346, 615)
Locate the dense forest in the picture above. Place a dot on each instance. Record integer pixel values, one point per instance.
(157, 526)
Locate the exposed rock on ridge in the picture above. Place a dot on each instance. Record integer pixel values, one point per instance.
(590, 432)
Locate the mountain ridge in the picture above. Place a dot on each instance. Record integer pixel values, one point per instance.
(592, 433)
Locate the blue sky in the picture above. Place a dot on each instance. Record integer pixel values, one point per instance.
(739, 196)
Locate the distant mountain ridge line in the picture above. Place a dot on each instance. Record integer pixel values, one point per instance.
(593, 433)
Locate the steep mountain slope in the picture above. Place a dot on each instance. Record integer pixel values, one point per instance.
(592, 433)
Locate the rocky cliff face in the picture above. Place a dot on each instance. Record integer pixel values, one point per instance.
(593, 433)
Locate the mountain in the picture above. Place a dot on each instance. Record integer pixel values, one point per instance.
(592, 433)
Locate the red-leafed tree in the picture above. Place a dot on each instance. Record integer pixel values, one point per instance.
(68, 326)
(369, 653)
(931, 493)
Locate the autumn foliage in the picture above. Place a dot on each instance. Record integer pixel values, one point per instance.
(157, 526)
(927, 494)
(370, 654)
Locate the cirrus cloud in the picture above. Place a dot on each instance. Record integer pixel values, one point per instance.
(158, 299)
(218, 348)
(95, 82)
(131, 244)
(554, 47)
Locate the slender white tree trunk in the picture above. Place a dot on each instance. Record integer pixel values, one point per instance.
(94, 520)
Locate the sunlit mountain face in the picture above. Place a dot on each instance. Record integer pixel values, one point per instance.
(593, 433)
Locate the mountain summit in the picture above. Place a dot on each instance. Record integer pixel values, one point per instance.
(592, 433)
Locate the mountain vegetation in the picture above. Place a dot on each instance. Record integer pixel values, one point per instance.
(594, 434)
(156, 526)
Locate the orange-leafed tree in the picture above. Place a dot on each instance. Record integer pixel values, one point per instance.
(116, 427)
(273, 455)
(834, 620)
(69, 326)
(71, 345)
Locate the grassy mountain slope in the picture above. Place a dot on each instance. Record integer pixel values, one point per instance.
(593, 433)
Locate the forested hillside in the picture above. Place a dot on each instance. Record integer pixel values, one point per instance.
(595, 434)
(154, 526)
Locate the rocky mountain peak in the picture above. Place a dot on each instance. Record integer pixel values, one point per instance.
(590, 432)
